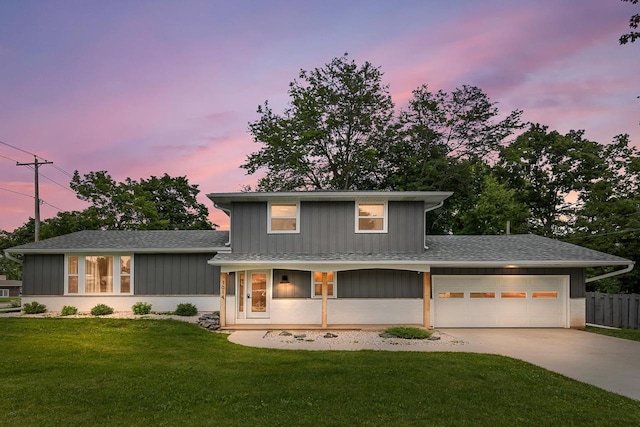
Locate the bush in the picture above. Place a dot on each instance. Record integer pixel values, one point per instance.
(69, 310)
(186, 309)
(15, 303)
(141, 308)
(34, 308)
(409, 333)
(101, 310)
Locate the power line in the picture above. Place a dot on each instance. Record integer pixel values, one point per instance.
(16, 192)
(62, 171)
(8, 158)
(20, 149)
(49, 204)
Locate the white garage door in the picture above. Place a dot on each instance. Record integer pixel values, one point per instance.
(500, 301)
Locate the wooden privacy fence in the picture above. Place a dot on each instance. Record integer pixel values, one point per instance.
(618, 310)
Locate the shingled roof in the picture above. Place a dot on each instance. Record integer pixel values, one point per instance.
(451, 251)
(187, 241)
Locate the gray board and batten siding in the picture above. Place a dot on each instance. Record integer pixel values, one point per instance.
(175, 274)
(154, 274)
(576, 275)
(352, 284)
(43, 274)
(327, 227)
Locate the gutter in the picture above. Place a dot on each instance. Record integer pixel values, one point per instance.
(439, 205)
(611, 274)
(8, 256)
(228, 212)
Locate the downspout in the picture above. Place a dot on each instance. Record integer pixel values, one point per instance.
(613, 273)
(228, 212)
(12, 258)
(439, 205)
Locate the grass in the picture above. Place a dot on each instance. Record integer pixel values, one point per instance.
(9, 299)
(408, 332)
(114, 372)
(625, 333)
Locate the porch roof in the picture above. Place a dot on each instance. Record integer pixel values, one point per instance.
(506, 251)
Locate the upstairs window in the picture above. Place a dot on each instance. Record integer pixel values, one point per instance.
(371, 217)
(283, 218)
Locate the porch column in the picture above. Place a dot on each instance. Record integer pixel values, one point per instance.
(223, 300)
(325, 292)
(426, 299)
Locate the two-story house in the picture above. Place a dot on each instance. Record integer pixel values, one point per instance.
(321, 258)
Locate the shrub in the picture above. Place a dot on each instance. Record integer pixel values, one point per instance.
(69, 310)
(15, 303)
(34, 308)
(141, 308)
(186, 309)
(409, 333)
(101, 310)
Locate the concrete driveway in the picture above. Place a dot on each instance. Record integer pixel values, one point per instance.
(609, 363)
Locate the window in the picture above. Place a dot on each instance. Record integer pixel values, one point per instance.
(513, 295)
(482, 294)
(551, 295)
(4, 292)
(371, 217)
(98, 274)
(450, 294)
(316, 287)
(283, 218)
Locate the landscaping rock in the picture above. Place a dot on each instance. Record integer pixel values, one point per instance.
(300, 336)
(330, 335)
(210, 321)
(434, 338)
(285, 334)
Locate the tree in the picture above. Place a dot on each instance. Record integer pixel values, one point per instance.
(446, 142)
(634, 22)
(153, 204)
(609, 219)
(333, 134)
(495, 205)
(546, 168)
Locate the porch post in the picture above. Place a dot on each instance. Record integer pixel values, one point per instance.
(223, 299)
(426, 299)
(325, 292)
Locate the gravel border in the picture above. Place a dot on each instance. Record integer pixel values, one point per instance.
(359, 338)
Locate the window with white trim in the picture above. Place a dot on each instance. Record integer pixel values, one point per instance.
(99, 274)
(371, 217)
(316, 286)
(283, 217)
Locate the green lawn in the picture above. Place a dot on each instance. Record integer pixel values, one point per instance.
(626, 333)
(81, 372)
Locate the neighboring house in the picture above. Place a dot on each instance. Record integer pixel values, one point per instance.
(321, 258)
(9, 288)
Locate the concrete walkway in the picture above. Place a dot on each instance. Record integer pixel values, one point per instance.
(609, 363)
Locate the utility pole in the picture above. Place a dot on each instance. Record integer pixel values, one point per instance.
(36, 164)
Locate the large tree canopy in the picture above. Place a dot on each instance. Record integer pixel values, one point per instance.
(163, 203)
(333, 134)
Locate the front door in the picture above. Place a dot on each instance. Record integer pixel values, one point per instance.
(258, 295)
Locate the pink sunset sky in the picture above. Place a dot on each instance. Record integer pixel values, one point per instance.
(141, 88)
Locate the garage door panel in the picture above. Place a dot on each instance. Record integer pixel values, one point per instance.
(518, 301)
